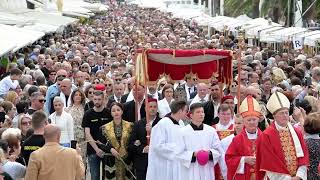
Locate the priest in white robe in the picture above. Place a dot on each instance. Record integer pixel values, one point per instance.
(199, 138)
(165, 145)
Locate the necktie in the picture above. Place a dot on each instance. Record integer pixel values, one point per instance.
(118, 99)
(189, 90)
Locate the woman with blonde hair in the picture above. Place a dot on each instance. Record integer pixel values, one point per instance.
(43, 90)
(13, 97)
(313, 102)
(24, 124)
(109, 86)
(63, 120)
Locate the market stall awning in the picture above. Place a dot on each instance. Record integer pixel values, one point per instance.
(6, 46)
(20, 36)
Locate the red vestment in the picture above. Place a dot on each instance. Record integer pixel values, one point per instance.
(240, 146)
(222, 134)
(270, 155)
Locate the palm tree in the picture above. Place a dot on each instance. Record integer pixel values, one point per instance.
(274, 9)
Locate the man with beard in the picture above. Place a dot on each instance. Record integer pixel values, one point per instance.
(93, 119)
(212, 105)
(138, 143)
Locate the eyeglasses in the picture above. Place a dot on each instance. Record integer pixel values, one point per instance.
(42, 100)
(26, 123)
(63, 76)
(90, 92)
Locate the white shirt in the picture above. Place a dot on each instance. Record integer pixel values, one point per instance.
(197, 99)
(192, 89)
(220, 127)
(6, 84)
(65, 123)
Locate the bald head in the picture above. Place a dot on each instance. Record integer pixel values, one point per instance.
(65, 86)
(202, 90)
(52, 133)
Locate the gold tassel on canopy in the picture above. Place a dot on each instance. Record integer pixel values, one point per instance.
(141, 68)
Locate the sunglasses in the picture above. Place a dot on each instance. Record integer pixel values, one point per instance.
(63, 76)
(90, 92)
(108, 85)
(107, 65)
(161, 85)
(118, 80)
(53, 74)
(26, 123)
(84, 67)
(42, 100)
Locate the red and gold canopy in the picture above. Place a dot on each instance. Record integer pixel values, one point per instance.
(151, 64)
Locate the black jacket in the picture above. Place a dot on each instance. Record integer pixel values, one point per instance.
(129, 111)
(209, 114)
(139, 132)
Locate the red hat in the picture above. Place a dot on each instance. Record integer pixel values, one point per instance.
(100, 87)
(152, 100)
(226, 97)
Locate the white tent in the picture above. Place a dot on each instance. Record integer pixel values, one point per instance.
(215, 21)
(306, 34)
(255, 31)
(264, 34)
(284, 34)
(225, 23)
(21, 37)
(6, 17)
(6, 45)
(312, 40)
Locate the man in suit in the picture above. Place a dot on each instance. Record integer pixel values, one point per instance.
(190, 86)
(99, 66)
(212, 105)
(53, 161)
(129, 108)
(138, 143)
(152, 92)
(118, 90)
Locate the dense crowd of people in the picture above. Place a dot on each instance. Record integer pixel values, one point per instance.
(80, 88)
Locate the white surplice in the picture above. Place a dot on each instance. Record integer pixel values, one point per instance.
(163, 151)
(195, 140)
(225, 142)
(163, 107)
